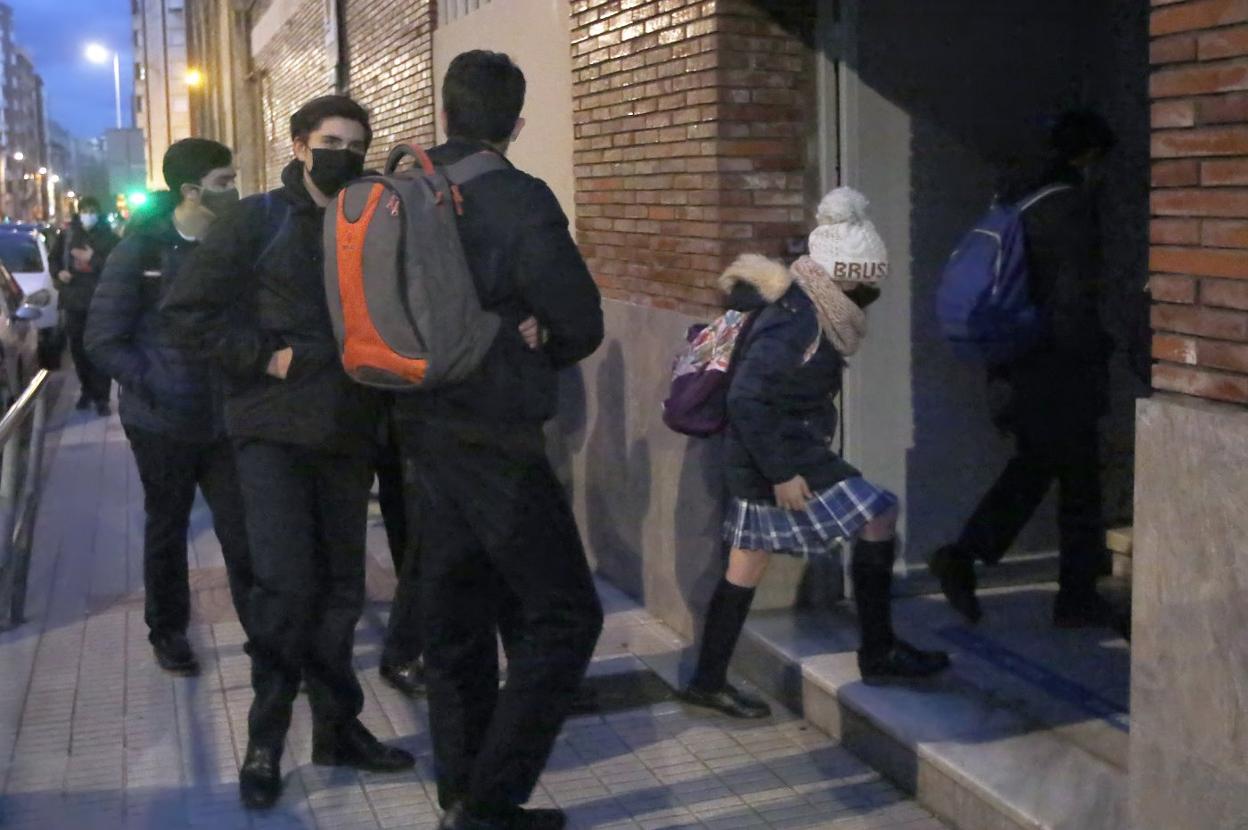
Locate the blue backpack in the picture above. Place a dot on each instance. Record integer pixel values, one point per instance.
(984, 301)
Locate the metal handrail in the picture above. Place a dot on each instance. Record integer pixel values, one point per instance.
(21, 480)
(21, 408)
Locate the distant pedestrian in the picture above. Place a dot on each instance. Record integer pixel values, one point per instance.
(78, 255)
(1051, 398)
(790, 492)
(305, 436)
(170, 395)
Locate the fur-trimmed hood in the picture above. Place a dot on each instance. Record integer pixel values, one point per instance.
(769, 278)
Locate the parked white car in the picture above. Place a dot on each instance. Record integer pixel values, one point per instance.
(19, 361)
(24, 252)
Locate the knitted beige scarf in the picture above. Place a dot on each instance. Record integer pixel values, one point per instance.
(840, 318)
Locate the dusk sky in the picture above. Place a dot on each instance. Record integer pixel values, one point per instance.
(54, 33)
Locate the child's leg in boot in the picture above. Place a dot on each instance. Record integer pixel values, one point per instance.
(725, 617)
(882, 657)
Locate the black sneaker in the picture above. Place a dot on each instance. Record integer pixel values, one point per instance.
(83, 404)
(1085, 610)
(103, 409)
(260, 779)
(901, 664)
(457, 818)
(408, 678)
(728, 700)
(354, 746)
(174, 654)
(956, 573)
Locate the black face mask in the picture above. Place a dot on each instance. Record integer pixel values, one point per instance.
(863, 294)
(331, 169)
(218, 201)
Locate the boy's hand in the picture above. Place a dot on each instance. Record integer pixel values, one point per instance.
(533, 334)
(793, 494)
(279, 363)
(64, 276)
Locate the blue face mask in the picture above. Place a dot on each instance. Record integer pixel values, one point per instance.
(88, 220)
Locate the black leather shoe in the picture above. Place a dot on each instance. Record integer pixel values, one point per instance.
(457, 818)
(408, 678)
(957, 581)
(174, 654)
(260, 779)
(354, 746)
(901, 664)
(729, 701)
(1088, 610)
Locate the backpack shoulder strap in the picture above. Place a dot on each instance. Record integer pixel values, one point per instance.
(1042, 194)
(473, 166)
(275, 212)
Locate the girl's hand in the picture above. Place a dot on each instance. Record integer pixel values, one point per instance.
(794, 494)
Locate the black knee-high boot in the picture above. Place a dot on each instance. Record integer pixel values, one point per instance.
(725, 617)
(883, 658)
(872, 572)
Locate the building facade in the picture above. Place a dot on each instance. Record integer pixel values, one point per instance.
(162, 97)
(680, 133)
(24, 166)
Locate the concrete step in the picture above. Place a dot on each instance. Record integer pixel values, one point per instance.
(1028, 730)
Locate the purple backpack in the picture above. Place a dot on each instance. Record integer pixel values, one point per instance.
(697, 403)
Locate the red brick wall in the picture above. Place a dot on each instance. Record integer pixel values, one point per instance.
(294, 68)
(1199, 230)
(390, 53)
(691, 129)
(390, 71)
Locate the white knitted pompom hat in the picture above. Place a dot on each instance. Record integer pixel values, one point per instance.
(845, 243)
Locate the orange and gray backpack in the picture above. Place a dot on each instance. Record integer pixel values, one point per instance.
(403, 302)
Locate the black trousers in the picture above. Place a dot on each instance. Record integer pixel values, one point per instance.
(496, 531)
(307, 514)
(170, 471)
(96, 386)
(1065, 450)
(403, 641)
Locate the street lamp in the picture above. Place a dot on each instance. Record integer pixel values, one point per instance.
(19, 156)
(97, 53)
(194, 78)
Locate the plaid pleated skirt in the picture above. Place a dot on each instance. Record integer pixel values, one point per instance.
(839, 512)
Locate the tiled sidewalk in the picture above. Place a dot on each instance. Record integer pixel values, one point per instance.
(94, 735)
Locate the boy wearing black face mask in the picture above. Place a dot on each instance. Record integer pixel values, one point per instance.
(79, 253)
(253, 297)
(169, 405)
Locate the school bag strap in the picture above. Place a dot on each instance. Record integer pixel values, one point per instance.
(276, 211)
(1042, 194)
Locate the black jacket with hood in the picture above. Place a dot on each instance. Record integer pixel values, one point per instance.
(165, 387)
(781, 414)
(1066, 374)
(253, 286)
(524, 263)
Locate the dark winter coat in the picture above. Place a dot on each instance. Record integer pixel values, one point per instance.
(781, 415)
(165, 387)
(255, 286)
(1066, 375)
(75, 295)
(524, 262)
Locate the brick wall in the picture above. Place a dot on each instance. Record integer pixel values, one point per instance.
(1199, 229)
(390, 54)
(691, 130)
(389, 46)
(295, 68)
